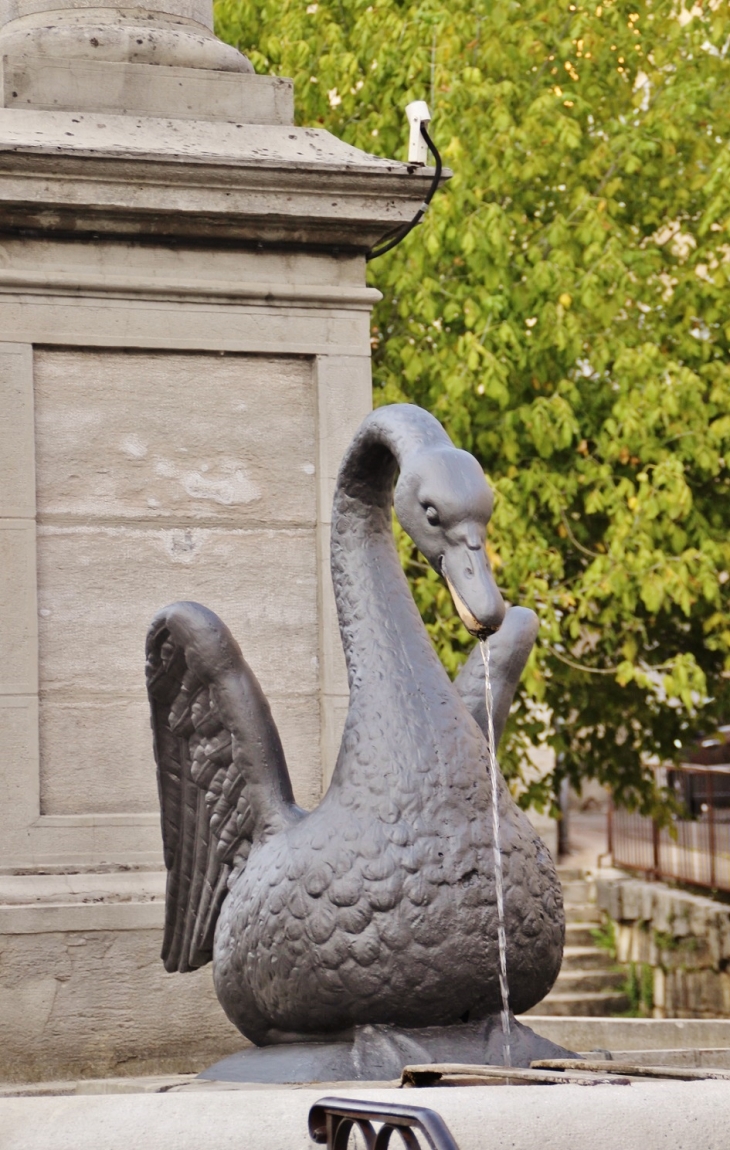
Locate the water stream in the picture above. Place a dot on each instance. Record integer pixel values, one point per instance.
(498, 878)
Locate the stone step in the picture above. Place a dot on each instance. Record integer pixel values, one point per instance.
(578, 981)
(580, 933)
(569, 873)
(586, 958)
(591, 1004)
(582, 912)
(578, 890)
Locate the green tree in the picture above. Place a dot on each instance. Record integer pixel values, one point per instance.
(560, 311)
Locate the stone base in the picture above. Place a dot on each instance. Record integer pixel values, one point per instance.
(379, 1053)
(82, 989)
(116, 88)
(241, 277)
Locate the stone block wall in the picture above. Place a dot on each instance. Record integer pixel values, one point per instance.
(178, 386)
(156, 481)
(676, 945)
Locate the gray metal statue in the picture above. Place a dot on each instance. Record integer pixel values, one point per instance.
(379, 906)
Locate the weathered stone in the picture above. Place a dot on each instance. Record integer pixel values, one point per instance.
(35, 82)
(698, 917)
(679, 917)
(660, 992)
(631, 900)
(642, 943)
(696, 994)
(713, 943)
(647, 901)
(162, 178)
(624, 942)
(94, 1002)
(90, 627)
(687, 952)
(685, 941)
(610, 899)
(17, 457)
(662, 920)
(18, 612)
(172, 33)
(156, 462)
(603, 896)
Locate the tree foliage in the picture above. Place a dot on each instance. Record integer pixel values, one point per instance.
(561, 311)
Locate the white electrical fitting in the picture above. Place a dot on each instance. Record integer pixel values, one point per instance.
(420, 144)
(417, 114)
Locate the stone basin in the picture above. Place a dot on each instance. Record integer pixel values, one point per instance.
(683, 1115)
(182, 1113)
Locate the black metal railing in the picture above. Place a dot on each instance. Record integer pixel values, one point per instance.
(332, 1120)
(695, 848)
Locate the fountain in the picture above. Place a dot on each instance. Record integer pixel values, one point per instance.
(379, 928)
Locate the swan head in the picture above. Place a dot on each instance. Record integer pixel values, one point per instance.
(444, 503)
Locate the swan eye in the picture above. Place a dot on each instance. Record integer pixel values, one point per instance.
(433, 516)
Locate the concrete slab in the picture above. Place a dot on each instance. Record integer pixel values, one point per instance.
(140, 1084)
(683, 1115)
(713, 1058)
(633, 1033)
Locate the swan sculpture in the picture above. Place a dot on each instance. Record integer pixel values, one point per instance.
(379, 906)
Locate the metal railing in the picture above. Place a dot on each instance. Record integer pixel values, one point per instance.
(331, 1121)
(696, 849)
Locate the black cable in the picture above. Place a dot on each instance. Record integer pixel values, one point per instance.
(404, 229)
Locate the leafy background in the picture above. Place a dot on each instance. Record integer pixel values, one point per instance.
(561, 311)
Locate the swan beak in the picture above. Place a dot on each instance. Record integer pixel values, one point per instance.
(476, 597)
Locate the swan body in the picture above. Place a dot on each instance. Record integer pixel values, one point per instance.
(379, 906)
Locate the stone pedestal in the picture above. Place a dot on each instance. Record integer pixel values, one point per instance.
(184, 355)
(175, 32)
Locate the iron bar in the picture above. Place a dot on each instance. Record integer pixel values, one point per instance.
(711, 825)
(331, 1121)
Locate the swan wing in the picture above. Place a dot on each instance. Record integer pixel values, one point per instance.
(509, 650)
(221, 771)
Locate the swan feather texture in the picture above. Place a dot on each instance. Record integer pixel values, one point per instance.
(379, 906)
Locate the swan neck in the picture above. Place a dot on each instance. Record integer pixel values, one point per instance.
(386, 442)
(387, 648)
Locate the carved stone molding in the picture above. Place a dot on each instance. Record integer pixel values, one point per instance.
(254, 184)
